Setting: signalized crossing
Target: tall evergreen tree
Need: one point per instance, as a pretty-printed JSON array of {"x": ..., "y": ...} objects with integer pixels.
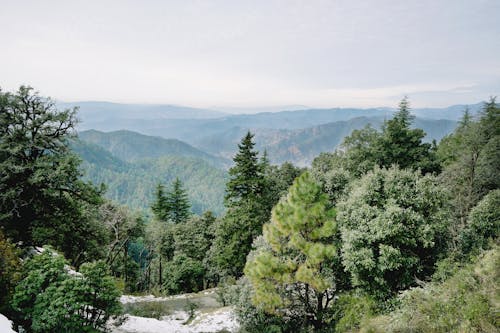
[
  {"x": 160, "y": 206},
  {"x": 247, "y": 211},
  {"x": 178, "y": 203},
  {"x": 246, "y": 174},
  {"x": 401, "y": 145}
]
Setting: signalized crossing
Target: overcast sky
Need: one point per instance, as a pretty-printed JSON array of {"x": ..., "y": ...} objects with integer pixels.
[{"x": 254, "y": 53}]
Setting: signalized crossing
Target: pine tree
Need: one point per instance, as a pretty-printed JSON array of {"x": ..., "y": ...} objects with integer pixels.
[
  {"x": 401, "y": 145},
  {"x": 178, "y": 203},
  {"x": 160, "y": 206},
  {"x": 246, "y": 174},
  {"x": 247, "y": 211},
  {"x": 294, "y": 270}
]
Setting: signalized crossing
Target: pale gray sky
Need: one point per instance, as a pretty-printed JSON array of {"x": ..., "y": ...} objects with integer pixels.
[{"x": 254, "y": 53}]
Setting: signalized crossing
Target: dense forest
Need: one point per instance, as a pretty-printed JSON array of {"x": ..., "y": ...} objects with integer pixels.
[{"x": 387, "y": 233}]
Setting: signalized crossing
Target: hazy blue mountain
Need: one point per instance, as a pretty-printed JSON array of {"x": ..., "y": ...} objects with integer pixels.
[
  {"x": 131, "y": 146},
  {"x": 134, "y": 183},
  {"x": 193, "y": 131},
  {"x": 300, "y": 146},
  {"x": 95, "y": 112}
]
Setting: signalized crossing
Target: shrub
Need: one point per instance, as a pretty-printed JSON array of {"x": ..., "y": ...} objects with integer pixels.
[{"x": 51, "y": 298}]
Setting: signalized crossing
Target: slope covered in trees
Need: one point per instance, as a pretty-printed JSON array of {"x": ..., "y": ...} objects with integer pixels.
[
  {"x": 131, "y": 146},
  {"x": 390, "y": 233},
  {"x": 133, "y": 183}
]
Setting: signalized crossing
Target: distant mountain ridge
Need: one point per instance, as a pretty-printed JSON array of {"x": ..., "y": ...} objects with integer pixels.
[
  {"x": 301, "y": 146},
  {"x": 91, "y": 111},
  {"x": 131, "y": 146},
  {"x": 192, "y": 131}
]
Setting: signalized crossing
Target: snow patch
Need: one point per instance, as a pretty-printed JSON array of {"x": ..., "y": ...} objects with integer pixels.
[
  {"x": 124, "y": 299},
  {"x": 204, "y": 322},
  {"x": 5, "y": 325}
]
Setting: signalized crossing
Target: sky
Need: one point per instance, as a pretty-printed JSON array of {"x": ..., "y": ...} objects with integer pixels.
[{"x": 250, "y": 54}]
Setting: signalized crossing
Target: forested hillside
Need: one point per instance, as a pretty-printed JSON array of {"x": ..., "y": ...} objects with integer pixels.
[
  {"x": 132, "y": 183},
  {"x": 387, "y": 233},
  {"x": 131, "y": 146}
]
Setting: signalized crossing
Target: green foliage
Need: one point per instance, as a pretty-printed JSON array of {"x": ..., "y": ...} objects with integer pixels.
[
  {"x": 183, "y": 274},
  {"x": 178, "y": 203},
  {"x": 160, "y": 205},
  {"x": 483, "y": 224},
  {"x": 248, "y": 209},
  {"x": 10, "y": 268},
  {"x": 43, "y": 199},
  {"x": 178, "y": 253},
  {"x": 49, "y": 299},
  {"x": 278, "y": 180},
  {"x": 132, "y": 183},
  {"x": 254, "y": 319},
  {"x": 393, "y": 225},
  {"x": 351, "y": 310},
  {"x": 397, "y": 144},
  {"x": 361, "y": 150},
  {"x": 172, "y": 206},
  {"x": 147, "y": 309},
  {"x": 403, "y": 146},
  {"x": 471, "y": 156},
  {"x": 246, "y": 180},
  {"x": 194, "y": 237},
  {"x": 234, "y": 234},
  {"x": 466, "y": 302},
  {"x": 331, "y": 172},
  {"x": 123, "y": 228},
  {"x": 292, "y": 274}
]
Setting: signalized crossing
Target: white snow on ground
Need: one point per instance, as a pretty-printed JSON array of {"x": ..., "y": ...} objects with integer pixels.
[
  {"x": 5, "y": 325},
  {"x": 124, "y": 299},
  {"x": 204, "y": 322}
]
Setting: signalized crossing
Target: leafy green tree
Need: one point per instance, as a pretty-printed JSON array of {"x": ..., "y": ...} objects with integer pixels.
[
  {"x": 471, "y": 156},
  {"x": 292, "y": 276},
  {"x": 43, "y": 200},
  {"x": 184, "y": 274},
  {"x": 361, "y": 151},
  {"x": 159, "y": 242},
  {"x": 397, "y": 144},
  {"x": 393, "y": 225},
  {"x": 483, "y": 224},
  {"x": 50, "y": 299},
  {"x": 194, "y": 237},
  {"x": 81, "y": 303},
  {"x": 178, "y": 203},
  {"x": 123, "y": 228}
]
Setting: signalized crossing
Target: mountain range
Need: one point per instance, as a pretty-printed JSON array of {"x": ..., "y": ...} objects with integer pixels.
[{"x": 132, "y": 148}]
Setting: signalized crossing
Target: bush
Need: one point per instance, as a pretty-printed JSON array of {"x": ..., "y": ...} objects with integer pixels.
[
  {"x": 483, "y": 224},
  {"x": 51, "y": 299},
  {"x": 184, "y": 274},
  {"x": 147, "y": 309},
  {"x": 466, "y": 302},
  {"x": 393, "y": 229},
  {"x": 10, "y": 267}
]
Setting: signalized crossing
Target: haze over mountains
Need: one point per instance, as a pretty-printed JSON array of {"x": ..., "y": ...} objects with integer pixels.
[
  {"x": 296, "y": 136},
  {"x": 133, "y": 147}
]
